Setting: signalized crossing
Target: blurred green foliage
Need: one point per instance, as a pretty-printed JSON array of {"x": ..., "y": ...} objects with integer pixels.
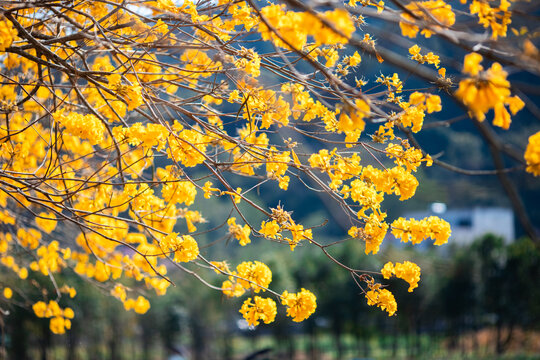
[{"x": 481, "y": 300}]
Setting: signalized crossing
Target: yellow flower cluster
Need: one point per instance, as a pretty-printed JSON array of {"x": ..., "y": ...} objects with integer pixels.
[
  {"x": 381, "y": 298},
  {"x": 363, "y": 193},
  {"x": 184, "y": 247},
  {"x": 396, "y": 180},
  {"x": 188, "y": 147},
  {"x": 10, "y": 263},
  {"x": 352, "y": 123},
  {"x": 282, "y": 221},
  {"x": 254, "y": 275},
  {"x": 432, "y": 15},
  {"x": 260, "y": 309},
  {"x": 6, "y": 218},
  {"x": 417, "y": 231},
  {"x": 498, "y": 18},
  {"x": 270, "y": 229},
  {"x": 408, "y": 271},
  {"x": 415, "y": 109},
  {"x": 148, "y": 135},
  {"x": 7, "y": 33},
  {"x": 339, "y": 168},
  {"x": 410, "y": 157},
  {"x": 140, "y": 305},
  {"x": 84, "y": 126},
  {"x": 295, "y": 27},
  {"x": 374, "y": 231},
  {"x": 250, "y": 62},
  {"x": 50, "y": 259},
  {"x": 243, "y": 15},
  {"x": 353, "y": 60},
  {"x": 240, "y": 233},
  {"x": 532, "y": 154},
  {"x": 130, "y": 93},
  {"x": 28, "y": 238},
  {"x": 426, "y": 102},
  {"x": 301, "y": 305},
  {"x": 298, "y": 233},
  {"x": 277, "y": 165},
  {"x": 306, "y": 108},
  {"x": 486, "y": 90},
  {"x": 198, "y": 64},
  {"x": 429, "y": 58},
  {"x": 60, "y": 319},
  {"x": 7, "y": 292},
  {"x": 249, "y": 275},
  {"x": 339, "y": 18},
  {"x": 46, "y": 222},
  {"x": 66, "y": 289},
  {"x": 270, "y": 106},
  {"x": 174, "y": 190}
]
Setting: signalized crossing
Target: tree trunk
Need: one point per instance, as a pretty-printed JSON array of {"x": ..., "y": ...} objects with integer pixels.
[
  {"x": 338, "y": 342},
  {"x": 45, "y": 342},
  {"x": 72, "y": 340}
]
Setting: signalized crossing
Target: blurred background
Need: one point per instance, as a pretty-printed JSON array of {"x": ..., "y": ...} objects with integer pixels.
[{"x": 479, "y": 297}]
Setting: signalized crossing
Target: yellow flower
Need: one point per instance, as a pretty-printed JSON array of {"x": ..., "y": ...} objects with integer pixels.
[
  {"x": 442, "y": 72},
  {"x": 23, "y": 273},
  {"x": 119, "y": 292},
  {"x": 435, "y": 12},
  {"x": 300, "y": 305},
  {"x": 68, "y": 313},
  {"x": 430, "y": 58},
  {"x": 418, "y": 230},
  {"x": 8, "y": 293},
  {"x": 487, "y": 90},
  {"x": 184, "y": 247},
  {"x": 342, "y": 21},
  {"x": 532, "y": 154},
  {"x": 130, "y": 93},
  {"x": 471, "y": 64},
  {"x": 269, "y": 229},
  {"x": 7, "y": 34},
  {"x": 40, "y": 309},
  {"x": 374, "y": 232},
  {"x": 232, "y": 289},
  {"x": 498, "y": 18},
  {"x": 240, "y": 233},
  {"x": 388, "y": 270},
  {"x": 383, "y": 299},
  {"x": 84, "y": 126},
  {"x": 355, "y": 59},
  {"x": 408, "y": 271},
  {"x": 254, "y": 275},
  {"x": 260, "y": 310},
  {"x": 208, "y": 189},
  {"x": 58, "y": 325},
  {"x": 140, "y": 306},
  {"x": 68, "y": 290},
  {"x": 46, "y": 221}
]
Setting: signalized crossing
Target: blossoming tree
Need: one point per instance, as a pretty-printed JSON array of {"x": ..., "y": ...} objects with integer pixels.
[{"x": 118, "y": 117}]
